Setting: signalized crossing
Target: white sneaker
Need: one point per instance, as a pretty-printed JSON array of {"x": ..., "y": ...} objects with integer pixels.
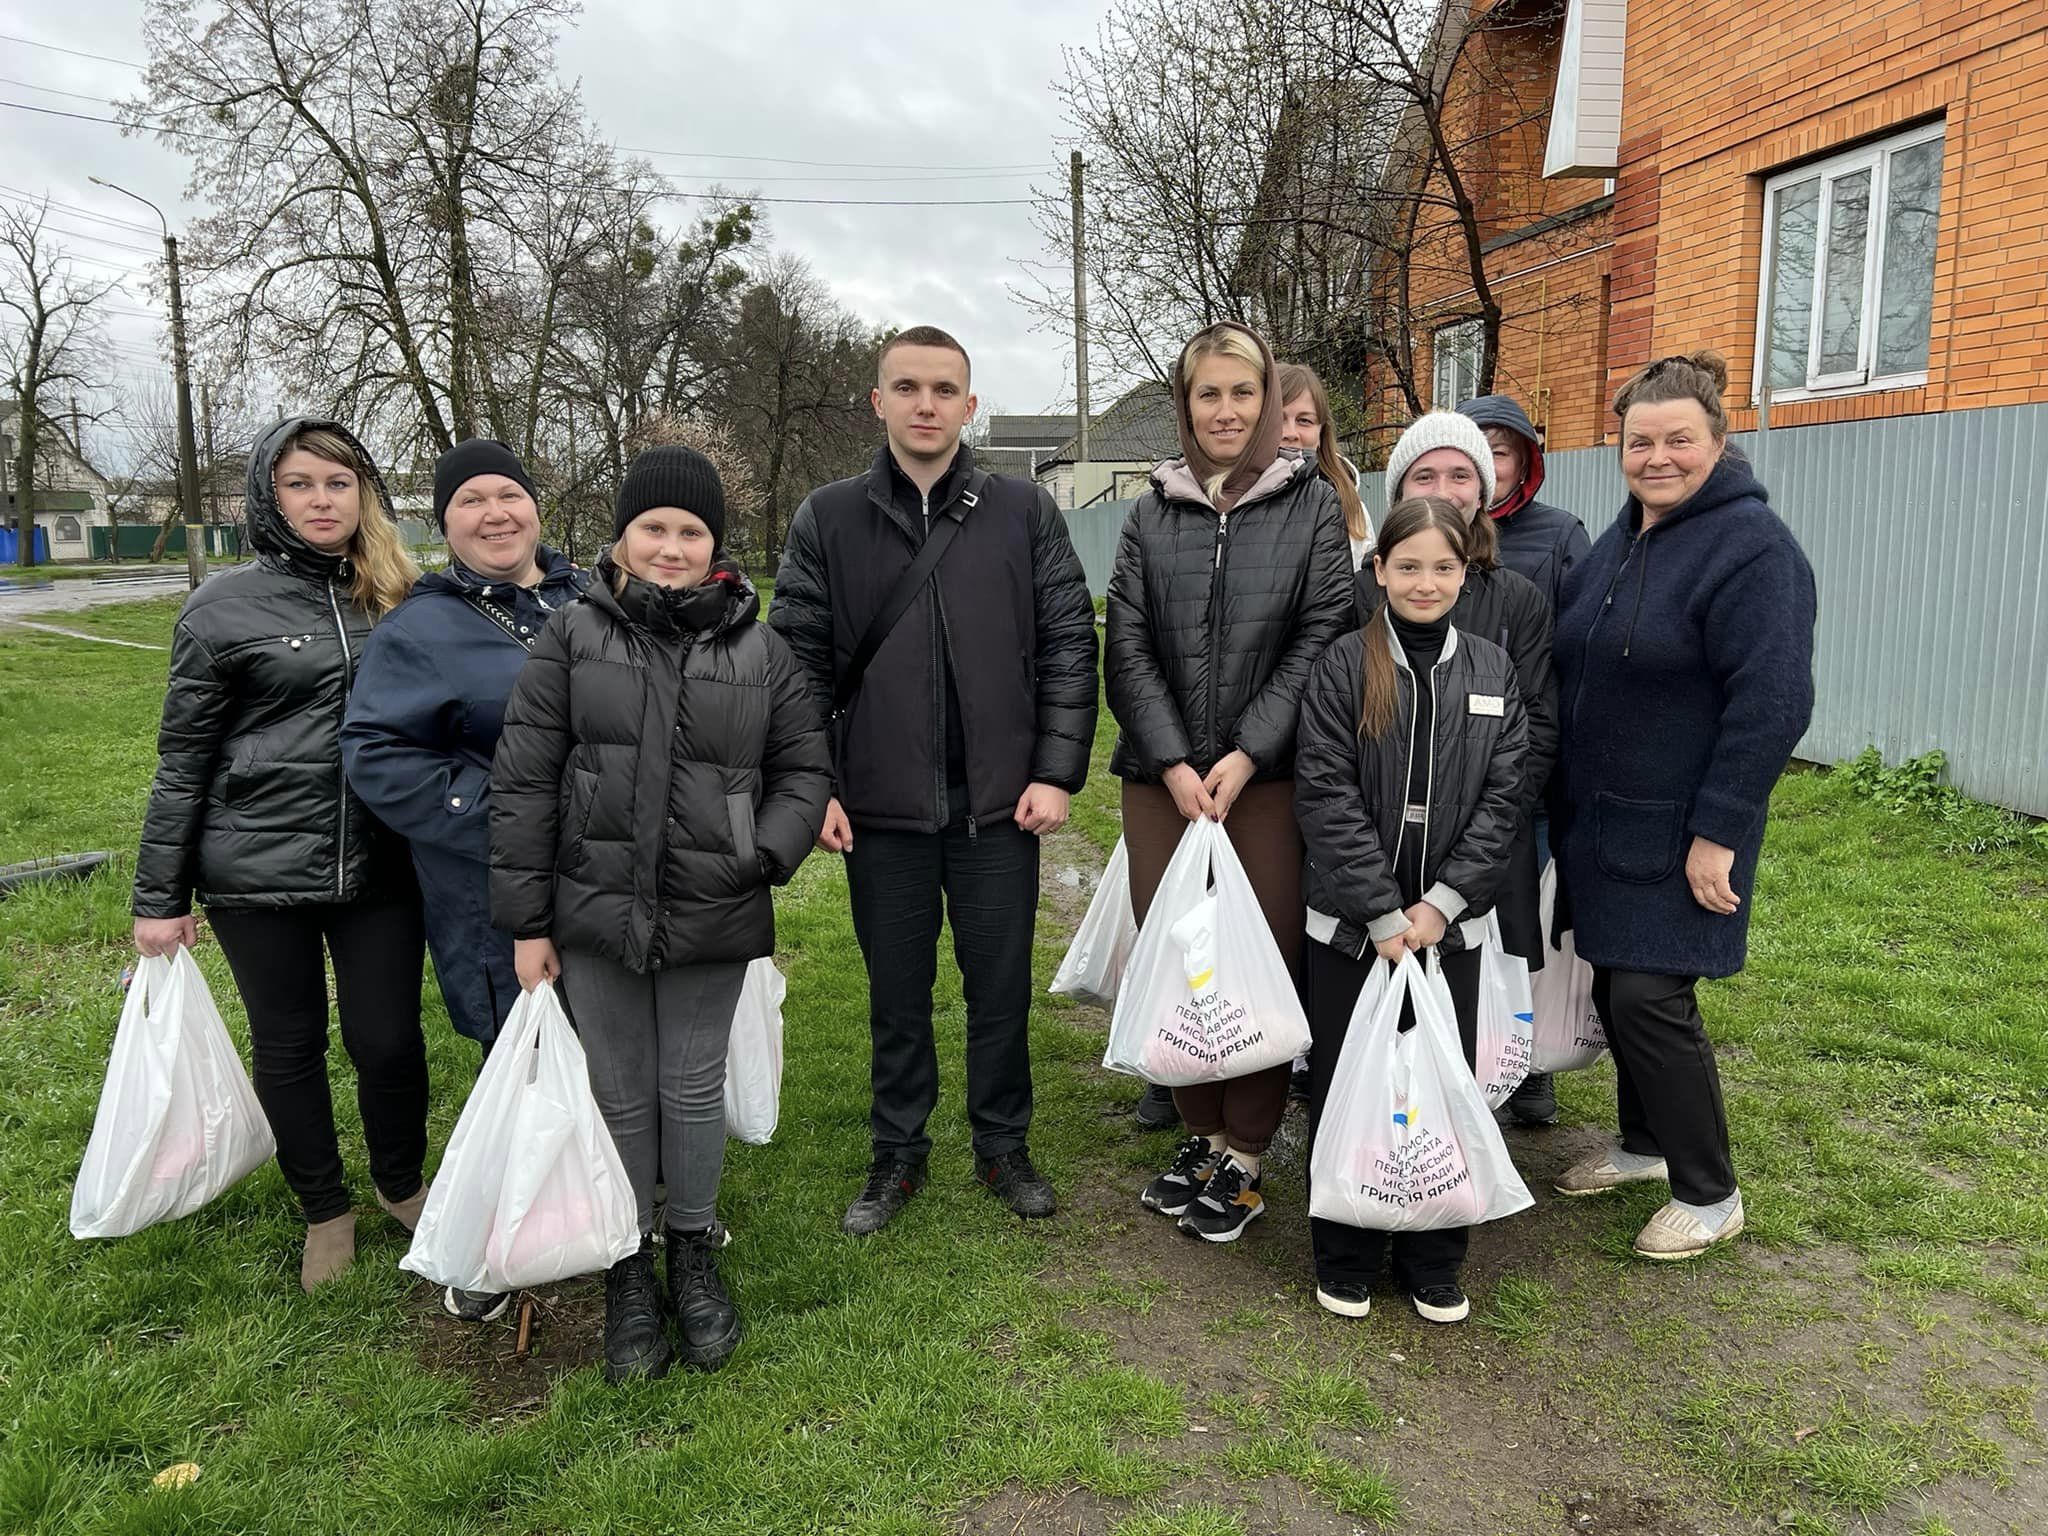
[
  {"x": 1598, "y": 1174},
  {"x": 1674, "y": 1233}
]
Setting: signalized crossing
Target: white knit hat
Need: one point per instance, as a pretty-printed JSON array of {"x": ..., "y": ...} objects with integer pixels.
[{"x": 1441, "y": 429}]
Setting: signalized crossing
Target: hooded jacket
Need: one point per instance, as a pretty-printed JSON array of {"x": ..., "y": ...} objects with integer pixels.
[
  {"x": 1214, "y": 619},
  {"x": 1006, "y": 616},
  {"x": 1351, "y": 793},
  {"x": 1685, "y": 669},
  {"x": 1541, "y": 541},
  {"x": 661, "y": 765},
  {"x": 249, "y": 806},
  {"x": 423, "y": 724}
]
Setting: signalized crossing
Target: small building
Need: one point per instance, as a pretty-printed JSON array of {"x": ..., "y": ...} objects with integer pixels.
[
  {"x": 1125, "y": 444},
  {"x": 1017, "y": 445},
  {"x": 72, "y": 497}
]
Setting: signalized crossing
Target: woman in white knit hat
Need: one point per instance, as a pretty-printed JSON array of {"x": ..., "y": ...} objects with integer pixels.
[{"x": 1445, "y": 454}]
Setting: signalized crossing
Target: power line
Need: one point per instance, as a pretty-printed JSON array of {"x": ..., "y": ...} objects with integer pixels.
[
  {"x": 26, "y": 196},
  {"x": 8, "y": 37}
]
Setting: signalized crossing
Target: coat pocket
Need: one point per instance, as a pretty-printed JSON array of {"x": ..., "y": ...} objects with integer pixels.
[
  {"x": 739, "y": 808},
  {"x": 1637, "y": 840},
  {"x": 582, "y": 801}
]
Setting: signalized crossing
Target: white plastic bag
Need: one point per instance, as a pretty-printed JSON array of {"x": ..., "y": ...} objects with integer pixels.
[
  {"x": 1568, "y": 1034},
  {"x": 1095, "y": 961},
  {"x": 178, "y": 1122},
  {"x": 1406, "y": 1142},
  {"x": 531, "y": 1189},
  {"x": 753, "y": 1058},
  {"x": 1207, "y": 996},
  {"x": 1505, "y": 1035}
]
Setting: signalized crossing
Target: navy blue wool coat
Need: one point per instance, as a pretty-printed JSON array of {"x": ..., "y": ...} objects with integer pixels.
[
  {"x": 1685, "y": 669},
  {"x": 422, "y": 727}
]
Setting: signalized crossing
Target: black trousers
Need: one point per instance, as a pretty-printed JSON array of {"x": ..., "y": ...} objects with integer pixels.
[
  {"x": 378, "y": 949},
  {"x": 988, "y": 884},
  {"x": 1348, "y": 1255},
  {"x": 1667, "y": 1088}
]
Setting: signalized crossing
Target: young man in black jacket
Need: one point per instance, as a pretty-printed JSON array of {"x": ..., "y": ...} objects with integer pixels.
[{"x": 954, "y": 749}]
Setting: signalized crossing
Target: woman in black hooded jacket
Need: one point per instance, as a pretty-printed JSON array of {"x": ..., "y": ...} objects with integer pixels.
[
  {"x": 250, "y": 816},
  {"x": 661, "y": 766},
  {"x": 1407, "y": 781}
]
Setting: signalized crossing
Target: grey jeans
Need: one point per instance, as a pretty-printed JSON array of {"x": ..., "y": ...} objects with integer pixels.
[{"x": 656, "y": 1046}]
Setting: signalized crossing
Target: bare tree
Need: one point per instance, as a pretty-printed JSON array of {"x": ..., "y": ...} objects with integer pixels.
[{"x": 53, "y": 344}]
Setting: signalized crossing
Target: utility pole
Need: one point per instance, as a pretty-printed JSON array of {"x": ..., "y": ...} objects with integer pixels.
[
  {"x": 188, "y": 454},
  {"x": 1074, "y": 168}
]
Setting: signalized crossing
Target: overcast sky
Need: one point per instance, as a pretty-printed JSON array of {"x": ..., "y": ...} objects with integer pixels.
[{"x": 888, "y": 85}]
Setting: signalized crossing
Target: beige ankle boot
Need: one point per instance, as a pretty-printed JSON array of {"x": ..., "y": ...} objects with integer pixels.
[
  {"x": 330, "y": 1249},
  {"x": 405, "y": 1212}
]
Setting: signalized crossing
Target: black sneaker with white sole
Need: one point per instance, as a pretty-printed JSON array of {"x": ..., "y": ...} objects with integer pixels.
[
  {"x": 1343, "y": 1299},
  {"x": 1228, "y": 1203},
  {"x": 1441, "y": 1304},
  {"x": 475, "y": 1306},
  {"x": 1193, "y": 1161},
  {"x": 1535, "y": 1102}
]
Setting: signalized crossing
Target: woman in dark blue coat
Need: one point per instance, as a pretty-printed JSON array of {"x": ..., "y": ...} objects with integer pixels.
[{"x": 1684, "y": 652}]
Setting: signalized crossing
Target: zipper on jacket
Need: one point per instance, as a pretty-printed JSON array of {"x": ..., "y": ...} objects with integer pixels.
[
  {"x": 938, "y": 634},
  {"x": 1216, "y": 632},
  {"x": 1407, "y": 763},
  {"x": 1607, "y": 602},
  {"x": 341, "y": 800},
  {"x": 1436, "y": 710}
]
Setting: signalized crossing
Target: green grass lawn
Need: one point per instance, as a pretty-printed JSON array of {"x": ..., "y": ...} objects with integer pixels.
[{"x": 1870, "y": 1359}]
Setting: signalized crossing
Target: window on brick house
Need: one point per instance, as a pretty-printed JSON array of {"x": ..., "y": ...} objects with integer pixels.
[
  {"x": 1850, "y": 244},
  {"x": 1454, "y": 363}
]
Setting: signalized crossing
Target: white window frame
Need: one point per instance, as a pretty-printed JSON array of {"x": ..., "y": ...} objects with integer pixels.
[
  {"x": 1875, "y": 158},
  {"x": 1442, "y": 344}
]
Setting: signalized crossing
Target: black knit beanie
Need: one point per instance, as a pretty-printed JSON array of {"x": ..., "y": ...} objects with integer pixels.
[
  {"x": 672, "y": 476},
  {"x": 465, "y": 461}
]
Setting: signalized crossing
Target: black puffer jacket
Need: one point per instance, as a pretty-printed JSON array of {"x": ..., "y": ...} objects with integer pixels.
[
  {"x": 1351, "y": 795},
  {"x": 249, "y": 807},
  {"x": 1214, "y": 621},
  {"x": 1007, "y": 613},
  {"x": 661, "y": 765}
]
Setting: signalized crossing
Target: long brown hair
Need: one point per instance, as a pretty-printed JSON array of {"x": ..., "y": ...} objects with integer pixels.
[
  {"x": 1418, "y": 514},
  {"x": 1297, "y": 379},
  {"x": 384, "y": 572}
]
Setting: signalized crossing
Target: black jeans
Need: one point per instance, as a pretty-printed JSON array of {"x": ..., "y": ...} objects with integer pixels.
[
  {"x": 378, "y": 949},
  {"x": 1351, "y": 1255},
  {"x": 989, "y": 884},
  {"x": 1667, "y": 1089}
]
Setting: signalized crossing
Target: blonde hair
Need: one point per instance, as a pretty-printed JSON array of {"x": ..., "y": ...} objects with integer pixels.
[
  {"x": 1222, "y": 340},
  {"x": 1297, "y": 379},
  {"x": 384, "y": 572}
]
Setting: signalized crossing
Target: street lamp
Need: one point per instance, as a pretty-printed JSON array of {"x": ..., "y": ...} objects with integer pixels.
[{"x": 188, "y": 454}]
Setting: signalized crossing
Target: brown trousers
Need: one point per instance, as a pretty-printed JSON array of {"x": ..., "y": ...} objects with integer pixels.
[{"x": 1245, "y": 1111}]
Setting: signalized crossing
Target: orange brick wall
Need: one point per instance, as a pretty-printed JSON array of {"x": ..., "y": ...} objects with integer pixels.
[{"x": 1720, "y": 94}]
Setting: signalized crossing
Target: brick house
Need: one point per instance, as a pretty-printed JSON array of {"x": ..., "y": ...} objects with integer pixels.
[{"x": 1886, "y": 154}]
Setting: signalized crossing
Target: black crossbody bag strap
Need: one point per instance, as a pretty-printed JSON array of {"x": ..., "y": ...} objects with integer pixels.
[{"x": 904, "y": 594}]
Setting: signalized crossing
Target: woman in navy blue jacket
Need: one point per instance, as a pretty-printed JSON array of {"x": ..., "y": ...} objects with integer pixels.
[{"x": 1684, "y": 652}]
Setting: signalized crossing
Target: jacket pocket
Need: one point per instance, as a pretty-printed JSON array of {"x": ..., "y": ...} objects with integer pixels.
[
  {"x": 582, "y": 801},
  {"x": 739, "y": 808},
  {"x": 1637, "y": 840}
]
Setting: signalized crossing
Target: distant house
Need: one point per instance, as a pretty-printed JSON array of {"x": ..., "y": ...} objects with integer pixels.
[
  {"x": 72, "y": 497},
  {"x": 1125, "y": 443},
  {"x": 1017, "y": 445}
]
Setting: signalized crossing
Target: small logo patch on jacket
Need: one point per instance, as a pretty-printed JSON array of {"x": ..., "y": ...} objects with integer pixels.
[{"x": 1485, "y": 704}]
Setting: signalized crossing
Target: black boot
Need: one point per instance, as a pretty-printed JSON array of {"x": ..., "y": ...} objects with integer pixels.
[
  {"x": 635, "y": 1340},
  {"x": 1156, "y": 1109},
  {"x": 705, "y": 1318}
]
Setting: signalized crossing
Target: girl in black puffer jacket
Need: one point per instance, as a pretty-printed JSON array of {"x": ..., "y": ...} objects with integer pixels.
[
  {"x": 1408, "y": 777},
  {"x": 250, "y": 815},
  {"x": 662, "y": 765}
]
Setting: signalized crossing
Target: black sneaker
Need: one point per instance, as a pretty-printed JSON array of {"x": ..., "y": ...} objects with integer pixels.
[
  {"x": 1193, "y": 1161},
  {"x": 1441, "y": 1304},
  {"x": 1343, "y": 1299},
  {"x": 891, "y": 1183},
  {"x": 705, "y": 1317},
  {"x": 1535, "y": 1102},
  {"x": 475, "y": 1306},
  {"x": 1228, "y": 1203},
  {"x": 635, "y": 1341},
  {"x": 1156, "y": 1109},
  {"x": 1011, "y": 1178}
]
